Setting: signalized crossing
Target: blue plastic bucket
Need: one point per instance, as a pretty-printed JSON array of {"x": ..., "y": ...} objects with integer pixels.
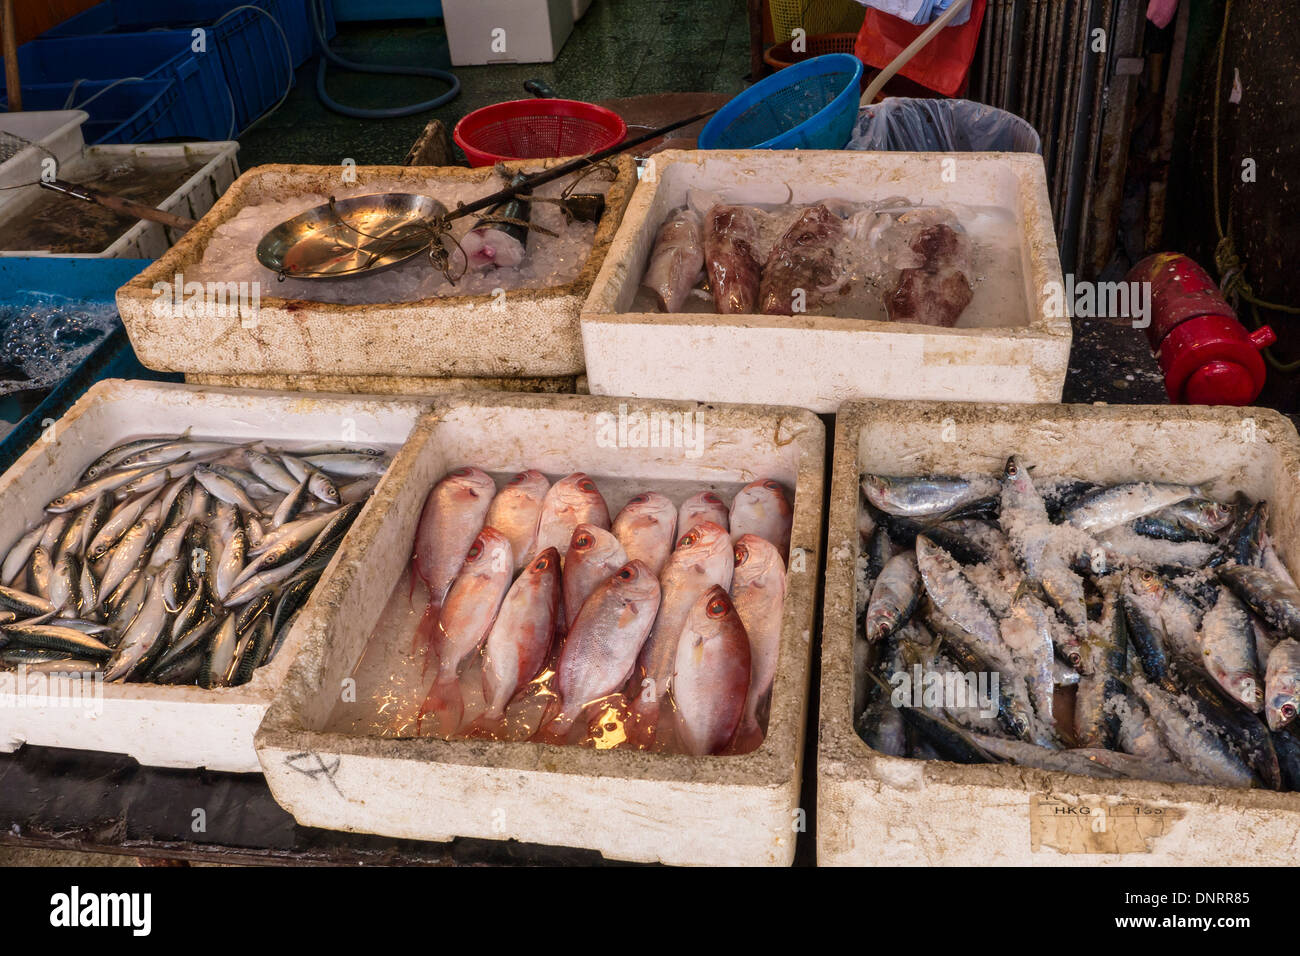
[{"x": 810, "y": 105}]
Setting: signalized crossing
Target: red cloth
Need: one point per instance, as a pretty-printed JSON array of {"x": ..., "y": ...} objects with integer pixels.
[
  {"x": 1161, "y": 12},
  {"x": 941, "y": 65}
]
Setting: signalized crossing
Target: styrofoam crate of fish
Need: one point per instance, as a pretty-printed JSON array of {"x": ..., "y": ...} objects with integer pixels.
[
  {"x": 836, "y": 341},
  {"x": 409, "y": 321},
  {"x": 192, "y": 722},
  {"x": 1185, "y": 761},
  {"x": 355, "y": 699}
]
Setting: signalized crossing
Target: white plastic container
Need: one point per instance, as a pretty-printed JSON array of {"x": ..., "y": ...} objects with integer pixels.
[
  {"x": 628, "y": 805},
  {"x": 57, "y": 133},
  {"x": 820, "y": 362},
  {"x": 171, "y": 726},
  {"x": 874, "y": 809},
  {"x": 507, "y": 31},
  {"x": 580, "y": 8},
  {"x": 144, "y": 240}
]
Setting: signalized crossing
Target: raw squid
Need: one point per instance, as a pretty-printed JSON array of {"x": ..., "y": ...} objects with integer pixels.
[
  {"x": 938, "y": 290},
  {"x": 730, "y": 236},
  {"x": 803, "y": 263},
  {"x": 677, "y": 260}
]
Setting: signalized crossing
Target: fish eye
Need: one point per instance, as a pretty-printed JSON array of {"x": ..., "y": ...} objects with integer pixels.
[
  {"x": 1012, "y": 470},
  {"x": 1075, "y": 658},
  {"x": 587, "y": 485},
  {"x": 475, "y": 550},
  {"x": 639, "y": 500},
  {"x": 772, "y": 485},
  {"x": 542, "y": 563},
  {"x": 688, "y": 539},
  {"x": 1288, "y": 711},
  {"x": 711, "y": 498},
  {"x": 627, "y": 572},
  {"x": 582, "y": 541},
  {"x": 742, "y": 554},
  {"x": 522, "y": 476},
  {"x": 717, "y": 607},
  {"x": 461, "y": 472}
]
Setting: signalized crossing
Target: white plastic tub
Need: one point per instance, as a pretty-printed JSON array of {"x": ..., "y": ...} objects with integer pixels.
[
  {"x": 54, "y": 133},
  {"x": 874, "y": 809},
  {"x": 628, "y": 805},
  {"x": 819, "y": 362},
  {"x": 172, "y": 726},
  {"x": 144, "y": 240}
]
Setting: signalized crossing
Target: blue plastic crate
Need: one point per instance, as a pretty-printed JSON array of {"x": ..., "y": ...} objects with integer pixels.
[
  {"x": 135, "y": 111},
  {"x": 137, "y": 16},
  {"x": 203, "y": 108},
  {"x": 94, "y": 280}
]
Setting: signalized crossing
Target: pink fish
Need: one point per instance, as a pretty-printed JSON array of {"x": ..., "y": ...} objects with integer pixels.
[
  {"x": 453, "y": 515},
  {"x": 705, "y": 506},
  {"x": 702, "y": 560},
  {"x": 571, "y": 501},
  {"x": 761, "y": 508},
  {"x": 521, "y": 638},
  {"x": 758, "y": 593},
  {"x": 647, "y": 527},
  {"x": 677, "y": 260},
  {"x": 730, "y": 237},
  {"x": 515, "y": 512},
  {"x": 600, "y": 651},
  {"x": 466, "y": 620},
  {"x": 711, "y": 677},
  {"x": 594, "y": 555}
]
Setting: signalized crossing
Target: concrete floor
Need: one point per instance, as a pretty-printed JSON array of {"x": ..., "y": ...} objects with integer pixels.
[{"x": 620, "y": 48}]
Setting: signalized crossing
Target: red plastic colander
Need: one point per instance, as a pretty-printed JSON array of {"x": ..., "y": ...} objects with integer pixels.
[{"x": 537, "y": 129}]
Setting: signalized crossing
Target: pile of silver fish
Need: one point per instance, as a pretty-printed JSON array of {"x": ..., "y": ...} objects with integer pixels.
[
  {"x": 671, "y": 615},
  {"x": 923, "y": 256},
  {"x": 179, "y": 560},
  {"x": 1141, "y": 630}
]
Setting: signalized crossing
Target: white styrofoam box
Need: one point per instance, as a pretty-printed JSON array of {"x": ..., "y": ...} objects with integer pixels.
[
  {"x": 507, "y": 31},
  {"x": 443, "y": 336},
  {"x": 171, "y": 726},
  {"x": 813, "y": 361},
  {"x": 580, "y": 8},
  {"x": 56, "y": 132},
  {"x": 144, "y": 240},
  {"x": 628, "y": 805},
  {"x": 882, "y": 810}
]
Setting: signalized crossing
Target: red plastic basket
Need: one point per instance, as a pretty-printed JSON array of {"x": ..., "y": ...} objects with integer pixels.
[{"x": 537, "y": 129}]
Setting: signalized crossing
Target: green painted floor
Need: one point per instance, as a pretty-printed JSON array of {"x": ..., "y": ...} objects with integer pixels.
[{"x": 620, "y": 48}]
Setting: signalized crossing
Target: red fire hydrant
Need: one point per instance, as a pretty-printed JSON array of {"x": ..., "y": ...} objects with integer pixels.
[{"x": 1207, "y": 356}]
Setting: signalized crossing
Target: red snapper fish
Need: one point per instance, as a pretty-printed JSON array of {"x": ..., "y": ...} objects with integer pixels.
[
  {"x": 646, "y": 527},
  {"x": 515, "y": 512},
  {"x": 600, "y": 650},
  {"x": 758, "y": 594},
  {"x": 761, "y": 508},
  {"x": 465, "y": 622},
  {"x": 571, "y": 501},
  {"x": 711, "y": 675},
  {"x": 701, "y": 507},
  {"x": 594, "y": 555}
]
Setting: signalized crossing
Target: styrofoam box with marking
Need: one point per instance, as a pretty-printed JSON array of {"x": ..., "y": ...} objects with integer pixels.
[
  {"x": 628, "y": 805},
  {"x": 172, "y": 726},
  {"x": 444, "y": 336},
  {"x": 883, "y": 810},
  {"x": 818, "y": 362}
]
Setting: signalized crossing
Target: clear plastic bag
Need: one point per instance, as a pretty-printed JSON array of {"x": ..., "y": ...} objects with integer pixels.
[{"x": 947, "y": 126}]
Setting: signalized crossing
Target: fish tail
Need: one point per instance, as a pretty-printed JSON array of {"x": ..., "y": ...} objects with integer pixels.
[
  {"x": 445, "y": 702},
  {"x": 643, "y": 722},
  {"x": 747, "y": 738},
  {"x": 426, "y": 631}
]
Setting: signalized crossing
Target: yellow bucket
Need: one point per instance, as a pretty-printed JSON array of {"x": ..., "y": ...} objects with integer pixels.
[{"x": 815, "y": 16}]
